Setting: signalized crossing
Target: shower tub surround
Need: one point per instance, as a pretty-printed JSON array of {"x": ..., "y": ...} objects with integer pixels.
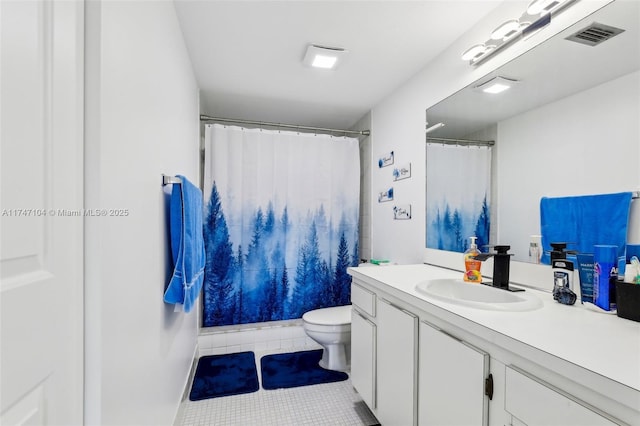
[
  {"x": 270, "y": 336},
  {"x": 553, "y": 365}
]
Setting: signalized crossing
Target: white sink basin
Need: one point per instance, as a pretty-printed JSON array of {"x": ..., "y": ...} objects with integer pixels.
[{"x": 478, "y": 296}]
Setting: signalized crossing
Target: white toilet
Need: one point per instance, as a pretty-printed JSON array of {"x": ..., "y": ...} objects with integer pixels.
[{"x": 331, "y": 328}]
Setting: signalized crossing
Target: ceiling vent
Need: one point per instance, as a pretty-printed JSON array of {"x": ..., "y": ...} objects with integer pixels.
[{"x": 594, "y": 34}]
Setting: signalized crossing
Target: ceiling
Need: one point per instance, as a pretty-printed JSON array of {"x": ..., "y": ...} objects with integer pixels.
[{"x": 247, "y": 55}]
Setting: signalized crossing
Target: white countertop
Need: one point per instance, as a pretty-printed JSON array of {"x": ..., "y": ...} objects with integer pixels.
[{"x": 602, "y": 343}]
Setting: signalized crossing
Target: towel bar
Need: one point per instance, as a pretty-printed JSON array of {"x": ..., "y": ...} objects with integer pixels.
[{"x": 168, "y": 180}]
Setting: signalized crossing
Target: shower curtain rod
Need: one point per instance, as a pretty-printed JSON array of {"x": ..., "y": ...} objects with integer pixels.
[
  {"x": 449, "y": 141},
  {"x": 286, "y": 126}
]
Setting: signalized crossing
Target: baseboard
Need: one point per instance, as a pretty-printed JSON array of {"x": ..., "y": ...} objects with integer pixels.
[{"x": 187, "y": 387}]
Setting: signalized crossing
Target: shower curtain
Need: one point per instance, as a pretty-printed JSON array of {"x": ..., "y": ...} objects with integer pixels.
[
  {"x": 281, "y": 223},
  {"x": 458, "y": 196}
]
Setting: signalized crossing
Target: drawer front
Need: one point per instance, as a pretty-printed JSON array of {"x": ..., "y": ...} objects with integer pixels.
[
  {"x": 533, "y": 402},
  {"x": 363, "y": 299}
]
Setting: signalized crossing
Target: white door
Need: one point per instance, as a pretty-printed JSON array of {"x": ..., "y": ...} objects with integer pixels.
[{"x": 41, "y": 200}]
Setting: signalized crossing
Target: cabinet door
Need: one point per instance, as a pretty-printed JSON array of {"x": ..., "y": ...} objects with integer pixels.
[
  {"x": 452, "y": 377},
  {"x": 396, "y": 362},
  {"x": 533, "y": 402},
  {"x": 363, "y": 357}
]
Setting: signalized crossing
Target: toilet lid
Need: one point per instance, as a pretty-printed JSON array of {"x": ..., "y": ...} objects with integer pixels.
[{"x": 337, "y": 315}]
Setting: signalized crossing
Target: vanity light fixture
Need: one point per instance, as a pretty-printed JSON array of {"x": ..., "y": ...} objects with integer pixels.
[
  {"x": 536, "y": 16},
  {"x": 323, "y": 57},
  {"x": 506, "y": 30},
  {"x": 496, "y": 85},
  {"x": 473, "y": 51},
  {"x": 542, "y": 6}
]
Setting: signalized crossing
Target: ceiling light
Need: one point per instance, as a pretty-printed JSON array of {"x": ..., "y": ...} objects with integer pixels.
[
  {"x": 323, "y": 61},
  {"x": 523, "y": 26},
  {"x": 322, "y": 56},
  {"x": 537, "y": 7},
  {"x": 487, "y": 50},
  {"x": 506, "y": 30},
  {"x": 496, "y": 85},
  {"x": 537, "y": 15},
  {"x": 473, "y": 51}
]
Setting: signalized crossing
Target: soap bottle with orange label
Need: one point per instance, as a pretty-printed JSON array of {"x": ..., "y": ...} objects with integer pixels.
[{"x": 471, "y": 265}]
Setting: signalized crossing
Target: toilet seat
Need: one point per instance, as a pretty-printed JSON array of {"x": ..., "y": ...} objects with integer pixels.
[{"x": 337, "y": 315}]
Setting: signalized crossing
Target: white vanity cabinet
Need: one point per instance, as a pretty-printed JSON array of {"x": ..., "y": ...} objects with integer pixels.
[
  {"x": 384, "y": 357},
  {"x": 453, "y": 380},
  {"x": 363, "y": 344},
  {"x": 396, "y": 365},
  {"x": 532, "y": 402},
  {"x": 415, "y": 362},
  {"x": 420, "y": 361}
]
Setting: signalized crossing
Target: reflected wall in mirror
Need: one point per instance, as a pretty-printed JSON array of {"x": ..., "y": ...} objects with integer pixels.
[{"x": 569, "y": 126}]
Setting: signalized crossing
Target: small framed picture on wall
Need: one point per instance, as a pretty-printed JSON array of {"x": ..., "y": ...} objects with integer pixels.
[{"x": 402, "y": 212}]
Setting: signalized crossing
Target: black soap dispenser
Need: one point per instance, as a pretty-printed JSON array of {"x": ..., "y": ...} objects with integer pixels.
[{"x": 558, "y": 251}]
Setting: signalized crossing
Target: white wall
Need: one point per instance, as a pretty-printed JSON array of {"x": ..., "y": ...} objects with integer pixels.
[
  {"x": 364, "y": 242},
  {"x": 142, "y": 121},
  {"x": 550, "y": 152},
  {"x": 398, "y": 124}
]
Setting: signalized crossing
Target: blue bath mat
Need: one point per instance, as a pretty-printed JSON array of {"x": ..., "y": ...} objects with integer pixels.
[
  {"x": 224, "y": 375},
  {"x": 295, "y": 369}
]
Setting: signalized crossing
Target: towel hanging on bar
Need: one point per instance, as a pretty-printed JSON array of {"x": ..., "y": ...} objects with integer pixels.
[{"x": 187, "y": 245}]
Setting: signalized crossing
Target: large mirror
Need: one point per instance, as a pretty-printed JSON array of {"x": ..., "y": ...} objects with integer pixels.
[{"x": 569, "y": 126}]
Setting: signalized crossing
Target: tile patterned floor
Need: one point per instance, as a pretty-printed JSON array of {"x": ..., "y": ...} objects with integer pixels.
[{"x": 326, "y": 404}]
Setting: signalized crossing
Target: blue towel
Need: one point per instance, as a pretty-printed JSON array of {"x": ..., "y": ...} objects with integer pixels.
[
  {"x": 585, "y": 221},
  {"x": 187, "y": 245}
]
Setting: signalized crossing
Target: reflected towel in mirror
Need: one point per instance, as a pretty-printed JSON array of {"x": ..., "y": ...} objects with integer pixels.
[{"x": 585, "y": 221}]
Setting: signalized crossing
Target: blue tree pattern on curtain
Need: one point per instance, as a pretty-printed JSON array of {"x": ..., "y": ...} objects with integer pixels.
[
  {"x": 286, "y": 267},
  {"x": 458, "y": 193},
  {"x": 254, "y": 286},
  {"x": 449, "y": 231}
]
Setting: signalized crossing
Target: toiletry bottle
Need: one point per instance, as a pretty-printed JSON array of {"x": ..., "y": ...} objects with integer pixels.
[
  {"x": 471, "y": 265},
  {"x": 535, "y": 249},
  {"x": 605, "y": 273},
  {"x": 534, "y": 252}
]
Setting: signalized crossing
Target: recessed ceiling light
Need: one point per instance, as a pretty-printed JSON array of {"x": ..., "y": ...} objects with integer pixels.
[
  {"x": 322, "y": 56},
  {"x": 497, "y": 85},
  {"x": 323, "y": 61}
]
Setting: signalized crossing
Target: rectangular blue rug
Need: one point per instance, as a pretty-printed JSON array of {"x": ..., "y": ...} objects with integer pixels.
[
  {"x": 296, "y": 369},
  {"x": 224, "y": 375}
]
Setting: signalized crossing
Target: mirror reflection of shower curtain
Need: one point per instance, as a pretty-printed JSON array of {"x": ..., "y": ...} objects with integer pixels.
[
  {"x": 458, "y": 196},
  {"x": 281, "y": 223}
]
